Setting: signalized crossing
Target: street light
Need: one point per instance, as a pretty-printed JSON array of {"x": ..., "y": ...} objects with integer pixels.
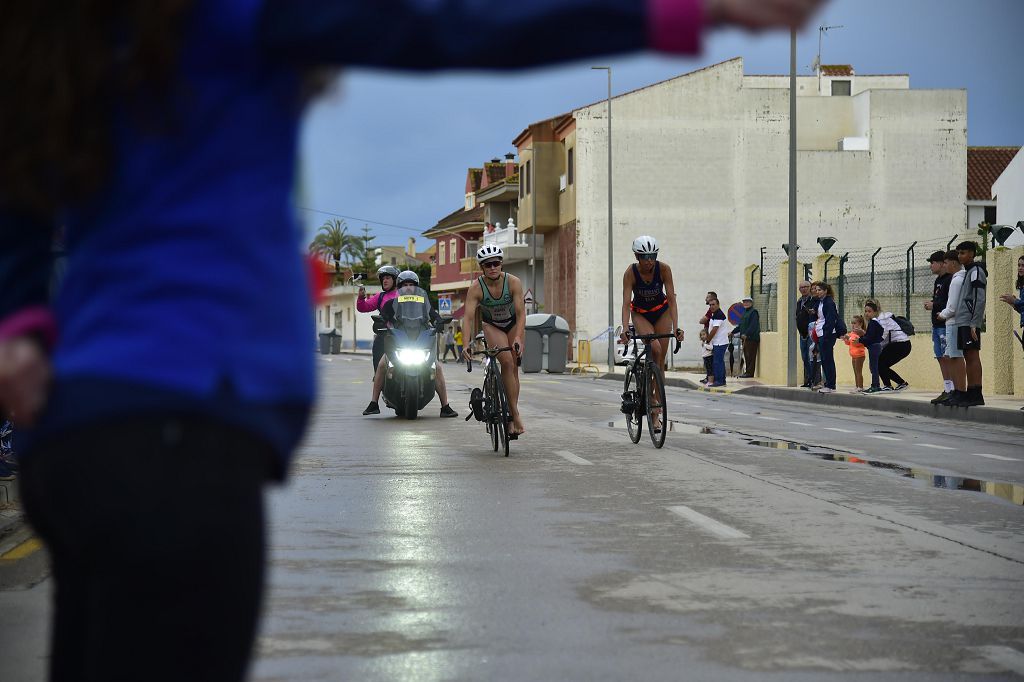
[
  {"x": 791, "y": 347},
  {"x": 611, "y": 276},
  {"x": 533, "y": 210}
]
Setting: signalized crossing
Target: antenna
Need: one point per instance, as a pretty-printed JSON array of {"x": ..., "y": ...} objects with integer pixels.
[{"x": 822, "y": 30}]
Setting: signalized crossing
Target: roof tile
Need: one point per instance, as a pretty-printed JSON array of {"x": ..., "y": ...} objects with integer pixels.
[{"x": 984, "y": 166}]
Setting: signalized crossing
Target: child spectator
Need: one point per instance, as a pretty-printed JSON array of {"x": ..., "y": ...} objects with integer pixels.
[
  {"x": 857, "y": 350},
  {"x": 706, "y": 353},
  {"x": 871, "y": 339}
]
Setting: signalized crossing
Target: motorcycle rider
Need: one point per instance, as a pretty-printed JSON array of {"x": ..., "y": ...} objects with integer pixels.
[
  {"x": 387, "y": 275},
  {"x": 409, "y": 280}
]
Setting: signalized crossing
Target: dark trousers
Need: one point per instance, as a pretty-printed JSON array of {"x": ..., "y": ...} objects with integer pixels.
[
  {"x": 718, "y": 363},
  {"x": 805, "y": 355},
  {"x": 379, "y": 348},
  {"x": 750, "y": 356},
  {"x": 874, "y": 351},
  {"x": 826, "y": 350},
  {"x": 449, "y": 348},
  {"x": 155, "y": 532},
  {"x": 891, "y": 354},
  {"x": 709, "y": 366}
]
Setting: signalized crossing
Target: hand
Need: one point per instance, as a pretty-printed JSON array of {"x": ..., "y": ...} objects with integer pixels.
[
  {"x": 362, "y": 292},
  {"x": 624, "y": 335},
  {"x": 467, "y": 353},
  {"x": 680, "y": 335},
  {"x": 974, "y": 333},
  {"x": 24, "y": 379},
  {"x": 1008, "y": 298},
  {"x": 927, "y": 305},
  {"x": 517, "y": 347},
  {"x": 758, "y": 15}
]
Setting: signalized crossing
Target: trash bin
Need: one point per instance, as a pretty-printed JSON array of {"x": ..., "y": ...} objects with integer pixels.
[
  {"x": 325, "y": 343},
  {"x": 547, "y": 340},
  {"x": 335, "y": 342}
]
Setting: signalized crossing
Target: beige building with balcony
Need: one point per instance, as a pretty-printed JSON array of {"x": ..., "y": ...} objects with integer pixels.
[{"x": 701, "y": 163}]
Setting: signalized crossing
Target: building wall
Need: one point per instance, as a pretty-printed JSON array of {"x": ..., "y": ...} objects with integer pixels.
[
  {"x": 338, "y": 311},
  {"x": 701, "y": 163},
  {"x": 1009, "y": 191}
]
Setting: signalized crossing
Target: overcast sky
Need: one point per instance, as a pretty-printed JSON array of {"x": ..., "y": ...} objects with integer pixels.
[{"x": 391, "y": 150}]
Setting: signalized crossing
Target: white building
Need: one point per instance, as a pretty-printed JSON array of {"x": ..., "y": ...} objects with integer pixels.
[
  {"x": 338, "y": 312},
  {"x": 1008, "y": 191},
  {"x": 701, "y": 162},
  {"x": 984, "y": 167}
]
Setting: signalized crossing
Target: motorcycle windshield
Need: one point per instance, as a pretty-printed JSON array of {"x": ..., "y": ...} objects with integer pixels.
[{"x": 412, "y": 310}]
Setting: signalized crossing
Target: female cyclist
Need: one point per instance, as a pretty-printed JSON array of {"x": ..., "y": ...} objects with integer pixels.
[{"x": 648, "y": 293}]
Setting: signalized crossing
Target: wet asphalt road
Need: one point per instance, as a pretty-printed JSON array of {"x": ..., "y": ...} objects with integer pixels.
[{"x": 411, "y": 551}]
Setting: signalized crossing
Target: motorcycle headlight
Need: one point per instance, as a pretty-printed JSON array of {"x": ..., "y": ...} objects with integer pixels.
[{"x": 412, "y": 356}]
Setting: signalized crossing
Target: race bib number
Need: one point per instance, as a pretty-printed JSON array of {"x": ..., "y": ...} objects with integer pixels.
[{"x": 411, "y": 298}]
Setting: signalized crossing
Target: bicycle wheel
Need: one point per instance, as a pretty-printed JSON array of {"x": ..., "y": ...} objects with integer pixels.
[
  {"x": 490, "y": 394},
  {"x": 656, "y": 402},
  {"x": 631, "y": 391},
  {"x": 502, "y": 413}
]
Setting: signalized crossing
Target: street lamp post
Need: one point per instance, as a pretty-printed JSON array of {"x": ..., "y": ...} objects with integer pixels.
[
  {"x": 611, "y": 276},
  {"x": 791, "y": 348}
]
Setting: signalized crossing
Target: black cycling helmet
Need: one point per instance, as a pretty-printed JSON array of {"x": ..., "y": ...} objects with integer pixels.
[
  {"x": 408, "y": 277},
  {"x": 389, "y": 270}
]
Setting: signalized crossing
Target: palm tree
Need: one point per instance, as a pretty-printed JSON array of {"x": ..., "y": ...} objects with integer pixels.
[{"x": 334, "y": 241}]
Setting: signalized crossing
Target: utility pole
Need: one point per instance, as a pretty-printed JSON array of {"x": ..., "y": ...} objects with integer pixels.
[
  {"x": 611, "y": 265},
  {"x": 791, "y": 347},
  {"x": 822, "y": 30}
]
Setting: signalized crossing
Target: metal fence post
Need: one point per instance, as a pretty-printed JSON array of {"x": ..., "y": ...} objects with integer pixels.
[
  {"x": 827, "y": 261},
  {"x": 949, "y": 244},
  {"x": 877, "y": 251},
  {"x": 841, "y": 285},
  {"x": 807, "y": 271},
  {"x": 761, "y": 270},
  {"x": 756, "y": 268},
  {"x": 910, "y": 275}
]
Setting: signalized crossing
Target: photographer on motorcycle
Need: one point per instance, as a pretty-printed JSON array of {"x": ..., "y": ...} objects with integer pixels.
[
  {"x": 411, "y": 281},
  {"x": 388, "y": 277}
]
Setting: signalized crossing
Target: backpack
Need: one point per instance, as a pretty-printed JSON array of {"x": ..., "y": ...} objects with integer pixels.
[{"x": 906, "y": 326}]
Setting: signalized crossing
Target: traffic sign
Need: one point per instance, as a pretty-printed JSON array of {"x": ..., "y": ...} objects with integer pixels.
[
  {"x": 529, "y": 296},
  {"x": 735, "y": 313},
  {"x": 444, "y": 305}
]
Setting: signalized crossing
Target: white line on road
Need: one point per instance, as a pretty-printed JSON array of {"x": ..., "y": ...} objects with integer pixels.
[
  {"x": 709, "y": 524},
  {"x": 742, "y": 414},
  {"x": 999, "y": 457},
  {"x": 1009, "y": 658},
  {"x": 933, "y": 447},
  {"x": 568, "y": 456},
  {"x": 873, "y": 435},
  {"x": 712, "y": 409},
  {"x": 769, "y": 419},
  {"x": 800, "y": 423},
  {"x": 833, "y": 428}
]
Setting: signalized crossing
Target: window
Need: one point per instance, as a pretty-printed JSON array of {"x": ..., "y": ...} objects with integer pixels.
[
  {"x": 394, "y": 261},
  {"x": 440, "y": 253},
  {"x": 528, "y": 177},
  {"x": 453, "y": 250},
  {"x": 522, "y": 181},
  {"x": 569, "y": 169},
  {"x": 990, "y": 215},
  {"x": 840, "y": 88}
]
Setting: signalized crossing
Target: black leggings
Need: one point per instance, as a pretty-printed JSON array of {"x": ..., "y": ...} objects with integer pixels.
[
  {"x": 155, "y": 532},
  {"x": 891, "y": 354}
]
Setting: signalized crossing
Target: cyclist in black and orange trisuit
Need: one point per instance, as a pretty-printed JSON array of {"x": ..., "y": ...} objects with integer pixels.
[
  {"x": 503, "y": 313},
  {"x": 649, "y": 298}
]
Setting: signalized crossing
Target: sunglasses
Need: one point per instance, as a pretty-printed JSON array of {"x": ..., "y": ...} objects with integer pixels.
[
  {"x": 491, "y": 264},
  {"x": 647, "y": 256}
]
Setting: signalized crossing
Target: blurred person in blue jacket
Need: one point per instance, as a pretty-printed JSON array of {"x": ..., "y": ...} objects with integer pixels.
[{"x": 162, "y": 137}]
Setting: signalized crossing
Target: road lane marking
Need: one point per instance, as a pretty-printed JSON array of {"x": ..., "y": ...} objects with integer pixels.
[
  {"x": 568, "y": 456},
  {"x": 800, "y": 423},
  {"x": 999, "y": 457},
  {"x": 770, "y": 419},
  {"x": 1009, "y": 658},
  {"x": 742, "y": 414},
  {"x": 27, "y": 548},
  {"x": 709, "y": 524},
  {"x": 712, "y": 409},
  {"x": 874, "y": 435},
  {"x": 933, "y": 447},
  {"x": 833, "y": 428}
]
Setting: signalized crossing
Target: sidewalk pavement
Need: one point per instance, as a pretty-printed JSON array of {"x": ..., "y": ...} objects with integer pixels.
[{"x": 998, "y": 409}]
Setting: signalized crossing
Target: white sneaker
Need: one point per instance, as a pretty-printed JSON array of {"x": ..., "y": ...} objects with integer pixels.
[{"x": 826, "y": 389}]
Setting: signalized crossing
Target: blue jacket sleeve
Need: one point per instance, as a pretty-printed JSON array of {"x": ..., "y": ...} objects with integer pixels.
[
  {"x": 439, "y": 34},
  {"x": 873, "y": 334},
  {"x": 25, "y": 263}
]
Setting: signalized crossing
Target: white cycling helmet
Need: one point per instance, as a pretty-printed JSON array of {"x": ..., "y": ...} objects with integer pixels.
[
  {"x": 645, "y": 244},
  {"x": 489, "y": 251},
  {"x": 408, "y": 277}
]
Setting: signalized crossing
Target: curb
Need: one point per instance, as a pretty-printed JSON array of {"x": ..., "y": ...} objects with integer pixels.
[
  {"x": 669, "y": 381},
  {"x": 979, "y": 415}
]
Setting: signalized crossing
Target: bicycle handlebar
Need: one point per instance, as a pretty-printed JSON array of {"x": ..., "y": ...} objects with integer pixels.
[
  {"x": 489, "y": 351},
  {"x": 651, "y": 337}
]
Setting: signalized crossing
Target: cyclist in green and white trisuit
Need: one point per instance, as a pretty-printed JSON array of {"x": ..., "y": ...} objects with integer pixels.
[{"x": 499, "y": 296}]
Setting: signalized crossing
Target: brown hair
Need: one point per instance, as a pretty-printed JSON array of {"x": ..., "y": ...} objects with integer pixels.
[
  {"x": 1020, "y": 280},
  {"x": 826, "y": 287},
  {"x": 872, "y": 304},
  {"x": 858, "y": 318},
  {"x": 61, "y": 67}
]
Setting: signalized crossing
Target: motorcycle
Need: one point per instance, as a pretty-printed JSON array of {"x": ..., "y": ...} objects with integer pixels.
[{"x": 409, "y": 382}]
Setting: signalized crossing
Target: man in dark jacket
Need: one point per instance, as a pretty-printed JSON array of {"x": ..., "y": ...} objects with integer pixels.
[
  {"x": 804, "y": 305},
  {"x": 749, "y": 330}
]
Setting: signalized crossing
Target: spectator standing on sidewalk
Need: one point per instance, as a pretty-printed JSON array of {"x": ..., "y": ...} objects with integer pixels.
[
  {"x": 970, "y": 318},
  {"x": 940, "y": 295},
  {"x": 163, "y": 135},
  {"x": 954, "y": 354},
  {"x": 449, "y": 345},
  {"x": 803, "y": 305},
  {"x": 895, "y": 346},
  {"x": 857, "y": 350},
  {"x": 719, "y": 338},
  {"x": 827, "y": 329},
  {"x": 1017, "y": 301},
  {"x": 707, "y": 352},
  {"x": 873, "y": 339},
  {"x": 749, "y": 331},
  {"x": 458, "y": 340},
  {"x": 705, "y": 321}
]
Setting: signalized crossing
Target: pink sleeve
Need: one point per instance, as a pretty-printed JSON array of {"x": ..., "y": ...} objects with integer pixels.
[
  {"x": 36, "y": 320},
  {"x": 675, "y": 25},
  {"x": 368, "y": 304}
]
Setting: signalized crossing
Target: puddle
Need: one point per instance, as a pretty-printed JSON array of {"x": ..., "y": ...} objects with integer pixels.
[
  {"x": 779, "y": 445},
  {"x": 674, "y": 427}
]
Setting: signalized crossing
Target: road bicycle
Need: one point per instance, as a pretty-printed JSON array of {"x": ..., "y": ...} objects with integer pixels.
[
  {"x": 490, "y": 405},
  {"x": 644, "y": 391}
]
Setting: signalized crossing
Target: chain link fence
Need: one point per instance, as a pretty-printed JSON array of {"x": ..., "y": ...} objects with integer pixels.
[{"x": 897, "y": 276}]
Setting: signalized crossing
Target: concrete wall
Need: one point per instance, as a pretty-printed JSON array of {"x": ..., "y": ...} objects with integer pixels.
[
  {"x": 701, "y": 163},
  {"x": 339, "y": 308},
  {"x": 1009, "y": 191}
]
